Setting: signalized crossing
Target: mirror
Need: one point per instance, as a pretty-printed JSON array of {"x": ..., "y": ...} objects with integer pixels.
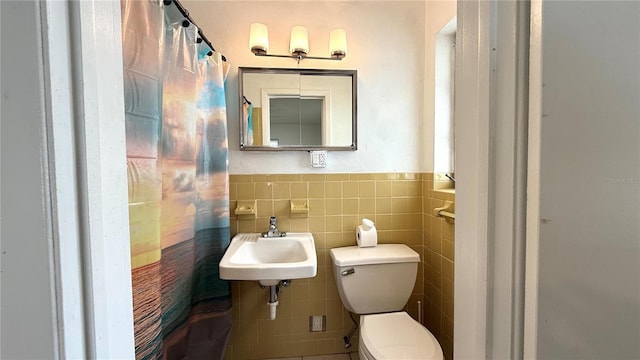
[{"x": 297, "y": 109}]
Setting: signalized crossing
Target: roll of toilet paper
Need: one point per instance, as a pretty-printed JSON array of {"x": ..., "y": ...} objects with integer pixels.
[{"x": 366, "y": 234}]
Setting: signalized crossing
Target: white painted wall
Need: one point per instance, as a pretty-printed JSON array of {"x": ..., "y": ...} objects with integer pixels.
[
  {"x": 584, "y": 253},
  {"x": 386, "y": 45}
]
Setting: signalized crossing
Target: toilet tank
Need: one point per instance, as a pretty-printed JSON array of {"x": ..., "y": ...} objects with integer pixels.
[{"x": 375, "y": 279}]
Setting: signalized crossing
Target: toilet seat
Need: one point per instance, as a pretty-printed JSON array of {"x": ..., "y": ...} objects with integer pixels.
[{"x": 396, "y": 336}]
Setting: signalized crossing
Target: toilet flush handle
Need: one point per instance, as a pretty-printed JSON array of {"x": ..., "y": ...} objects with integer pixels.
[{"x": 348, "y": 272}]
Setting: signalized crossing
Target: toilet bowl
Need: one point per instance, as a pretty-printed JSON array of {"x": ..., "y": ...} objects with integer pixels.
[
  {"x": 376, "y": 282},
  {"x": 396, "y": 336}
]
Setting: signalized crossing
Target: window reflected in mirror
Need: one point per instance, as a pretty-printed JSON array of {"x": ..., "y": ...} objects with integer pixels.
[{"x": 296, "y": 121}]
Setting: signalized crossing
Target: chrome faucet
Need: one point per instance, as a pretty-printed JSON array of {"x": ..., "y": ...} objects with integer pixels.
[{"x": 273, "y": 229}]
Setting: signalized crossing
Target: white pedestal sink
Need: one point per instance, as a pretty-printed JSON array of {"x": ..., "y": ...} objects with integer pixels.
[{"x": 269, "y": 260}]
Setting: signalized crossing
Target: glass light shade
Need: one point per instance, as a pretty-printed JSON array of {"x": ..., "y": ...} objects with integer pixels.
[
  {"x": 338, "y": 43},
  {"x": 299, "y": 40},
  {"x": 259, "y": 37}
]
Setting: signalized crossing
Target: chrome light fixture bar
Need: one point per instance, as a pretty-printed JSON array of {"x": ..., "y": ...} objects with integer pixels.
[{"x": 299, "y": 43}]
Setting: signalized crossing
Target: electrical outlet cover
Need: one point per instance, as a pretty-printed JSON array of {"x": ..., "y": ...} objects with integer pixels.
[{"x": 317, "y": 323}]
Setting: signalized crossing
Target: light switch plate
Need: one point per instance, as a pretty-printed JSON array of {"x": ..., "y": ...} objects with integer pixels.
[{"x": 318, "y": 158}]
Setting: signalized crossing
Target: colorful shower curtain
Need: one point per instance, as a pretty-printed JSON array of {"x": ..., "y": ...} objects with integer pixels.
[{"x": 178, "y": 185}]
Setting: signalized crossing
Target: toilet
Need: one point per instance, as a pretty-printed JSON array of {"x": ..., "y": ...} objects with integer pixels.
[{"x": 376, "y": 282}]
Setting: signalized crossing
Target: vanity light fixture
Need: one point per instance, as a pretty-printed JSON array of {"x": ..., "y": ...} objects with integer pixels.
[{"x": 299, "y": 43}]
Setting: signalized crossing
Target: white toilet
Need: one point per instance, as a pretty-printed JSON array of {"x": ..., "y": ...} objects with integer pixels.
[{"x": 376, "y": 283}]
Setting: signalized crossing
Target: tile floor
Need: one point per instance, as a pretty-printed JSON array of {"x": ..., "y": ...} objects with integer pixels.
[{"x": 350, "y": 356}]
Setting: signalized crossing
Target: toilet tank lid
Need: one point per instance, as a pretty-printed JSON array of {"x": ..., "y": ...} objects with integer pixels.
[{"x": 381, "y": 254}]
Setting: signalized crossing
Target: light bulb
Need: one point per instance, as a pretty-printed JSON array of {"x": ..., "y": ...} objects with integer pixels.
[
  {"x": 259, "y": 38},
  {"x": 338, "y": 43},
  {"x": 299, "y": 40}
]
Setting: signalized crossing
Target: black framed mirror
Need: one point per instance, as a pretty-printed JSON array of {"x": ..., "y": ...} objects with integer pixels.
[{"x": 297, "y": 109}]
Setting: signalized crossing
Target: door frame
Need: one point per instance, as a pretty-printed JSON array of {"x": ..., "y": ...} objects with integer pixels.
[
  {"x": 491, "y": 109},
  {"x": 533, "y": 184},
  {"x": 83, "y": 87}
]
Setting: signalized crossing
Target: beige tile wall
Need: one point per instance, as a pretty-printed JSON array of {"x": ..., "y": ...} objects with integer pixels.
[
  {"x": 439, "y": 236},
  {"x": 338, "y": 202}
]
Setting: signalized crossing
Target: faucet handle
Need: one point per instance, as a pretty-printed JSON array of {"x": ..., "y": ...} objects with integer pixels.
[{"x": 273, "y": 229}]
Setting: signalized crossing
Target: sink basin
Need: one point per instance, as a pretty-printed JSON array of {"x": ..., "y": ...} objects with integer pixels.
[{"x": 269, "y": 260}]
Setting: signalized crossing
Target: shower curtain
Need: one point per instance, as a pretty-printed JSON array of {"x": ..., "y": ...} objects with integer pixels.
[{"x": 178, "y": 185}]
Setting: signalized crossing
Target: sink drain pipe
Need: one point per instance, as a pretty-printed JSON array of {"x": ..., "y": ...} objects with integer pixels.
[
  {"x": 273, "y": 300},
  {"x": 273, "y": 295}
]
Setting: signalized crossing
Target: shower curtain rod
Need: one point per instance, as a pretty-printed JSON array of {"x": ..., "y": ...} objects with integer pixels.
[{"x": 185, "y": 13}]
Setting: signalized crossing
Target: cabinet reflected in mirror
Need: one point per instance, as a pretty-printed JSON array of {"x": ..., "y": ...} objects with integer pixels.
[{"x": 297, "y": 109}]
